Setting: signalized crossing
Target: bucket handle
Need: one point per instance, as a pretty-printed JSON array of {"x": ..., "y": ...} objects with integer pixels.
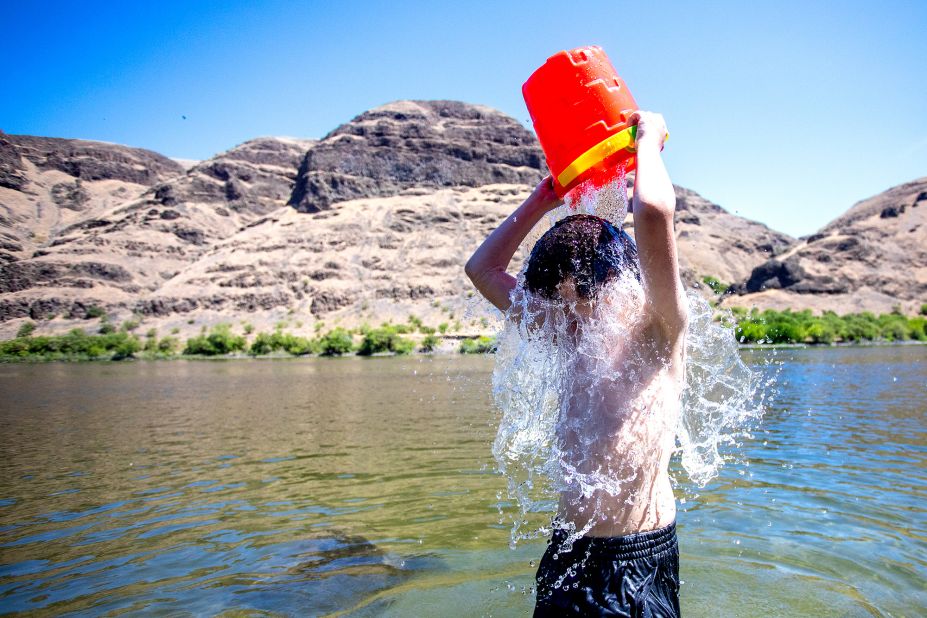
[{"x": 623, "y": 140}]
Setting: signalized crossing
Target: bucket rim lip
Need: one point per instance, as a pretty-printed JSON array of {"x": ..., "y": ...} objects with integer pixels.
[{"x": 568, "y": 53}]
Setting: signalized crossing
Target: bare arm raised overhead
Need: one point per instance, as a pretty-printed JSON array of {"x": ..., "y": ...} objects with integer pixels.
[
  {"x": 654, "y": 204},
  {"x": 486, "y": 268}
]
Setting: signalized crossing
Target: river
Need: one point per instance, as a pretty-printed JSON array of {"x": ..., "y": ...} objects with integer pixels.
[{"x": 365, "y": 487}]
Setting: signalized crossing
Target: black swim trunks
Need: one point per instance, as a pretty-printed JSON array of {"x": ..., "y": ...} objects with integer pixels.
[{"x": 634, "y": 576}]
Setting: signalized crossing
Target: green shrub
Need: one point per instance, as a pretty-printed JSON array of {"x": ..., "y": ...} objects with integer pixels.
[
  {"x": 150, "y": 345},
  {"x": 429, "y": 343},
  {"x": 401, "y": 345},
  {"x": 385, "y": 339},
  {"x": 715, "y": 284},
  {"x": 477, "y": 345},
  {"x": 26, "y": 329},
  {"x": 74, "y": 345},
  {"x": 168, "y": 345},
  {"x": 822, "y": 332},
  {"x": 859, "y": 327},
  {"x": 219, "y": 341},
  {"x": 126, "y": 347},
  {"x": 199, "y": 345},
  {"x": 106, "y": 328},
  {"x": 376, "y": 340},
  {"x": 894, "y": 327},
  {"x": 918, "y": 328},
  {"x": 426, "y": 330},
  {"x": 129, "y": 325},
  {"x": 16, "y": 348},
  {"x": 265, "y": 343},
  {"x": 442, "y": 328},
  {"x": 300, "y": 346},
  {"x": 262, "y": 344},
  {"x": 336, "y": 342},
  {"x": 924, "y": 309},
  {"x": 94, "y": 312},
  {"x": 248, "y": 328},
  {"x": 749, "y": 331}
]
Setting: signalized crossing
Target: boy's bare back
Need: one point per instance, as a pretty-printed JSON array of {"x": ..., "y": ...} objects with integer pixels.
[{"x": 617, "y": 427}]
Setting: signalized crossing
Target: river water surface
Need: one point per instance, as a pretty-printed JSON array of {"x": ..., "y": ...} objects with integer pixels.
[{"x": 366, "y": 487}]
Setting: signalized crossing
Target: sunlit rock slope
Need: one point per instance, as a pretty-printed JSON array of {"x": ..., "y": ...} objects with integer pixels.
[
  {"x": 871, "y": 258},
  {"x": 372, "y": 222}
]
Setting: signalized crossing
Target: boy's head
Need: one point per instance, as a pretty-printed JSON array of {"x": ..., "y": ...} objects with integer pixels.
[{"x": 584, "y": 249}]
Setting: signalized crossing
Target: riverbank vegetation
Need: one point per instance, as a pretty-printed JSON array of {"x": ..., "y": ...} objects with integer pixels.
[
  {"x": 804, "y": 327},
  {"x": 112, "y": 343}
]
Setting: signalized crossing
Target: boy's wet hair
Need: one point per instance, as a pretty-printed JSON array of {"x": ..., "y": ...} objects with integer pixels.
[{"x": 587, "y": 248}]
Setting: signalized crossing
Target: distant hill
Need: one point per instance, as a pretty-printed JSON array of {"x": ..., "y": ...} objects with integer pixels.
[
  {"x": 372, "y": 222},
  {"x": 48, "y": 185},
  {"x": 871, "y": 258}
]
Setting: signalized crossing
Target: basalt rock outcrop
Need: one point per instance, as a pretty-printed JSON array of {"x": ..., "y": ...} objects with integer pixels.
[
  {"x": 423, "y": 144},
  {"x": 871, "y": 258}
]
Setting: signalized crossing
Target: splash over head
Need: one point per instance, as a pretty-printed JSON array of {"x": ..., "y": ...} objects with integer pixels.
[
  {"x": 586, "y": 249},
  {"x": 575, "y": 432}
]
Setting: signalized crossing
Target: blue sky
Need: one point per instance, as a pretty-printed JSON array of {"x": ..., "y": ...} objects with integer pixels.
[{"x": 779, "y": 111}]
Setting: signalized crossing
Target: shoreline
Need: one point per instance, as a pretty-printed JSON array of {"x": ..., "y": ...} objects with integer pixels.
[{"x": 7, "y": 360}]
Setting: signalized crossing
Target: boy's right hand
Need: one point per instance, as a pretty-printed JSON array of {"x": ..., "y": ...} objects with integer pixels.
[{"x": 544, "y": 196}]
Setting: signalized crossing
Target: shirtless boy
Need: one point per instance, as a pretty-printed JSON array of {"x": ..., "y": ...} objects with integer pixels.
[{"x": 619, "y": 426}]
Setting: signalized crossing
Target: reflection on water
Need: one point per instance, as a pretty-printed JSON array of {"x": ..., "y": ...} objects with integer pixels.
[{"x": 366, "y": 486}]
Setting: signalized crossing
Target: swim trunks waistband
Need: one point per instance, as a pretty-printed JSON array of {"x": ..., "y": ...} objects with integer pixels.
[{"x": 628, "y": 547}]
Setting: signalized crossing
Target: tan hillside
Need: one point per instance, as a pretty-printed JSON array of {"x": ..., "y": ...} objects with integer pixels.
[
  {"x": 50, "y": 185},
  {"x": 871, "y": 258},
  {"x": 373, "y": 222}
]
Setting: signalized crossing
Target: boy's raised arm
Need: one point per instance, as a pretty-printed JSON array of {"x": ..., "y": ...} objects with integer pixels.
[
  {"x": 486, "y": 268},
  {"x": 654, "y": 203}
]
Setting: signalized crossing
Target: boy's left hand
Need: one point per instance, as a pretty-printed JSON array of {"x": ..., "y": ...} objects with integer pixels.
[{"x": 651, "y": 128}]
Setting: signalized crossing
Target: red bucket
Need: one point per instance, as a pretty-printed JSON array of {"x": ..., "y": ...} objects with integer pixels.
[{"x": 580, "y": 108}]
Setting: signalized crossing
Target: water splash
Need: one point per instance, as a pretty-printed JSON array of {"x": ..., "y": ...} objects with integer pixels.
[{"x": 592, "y": 408}]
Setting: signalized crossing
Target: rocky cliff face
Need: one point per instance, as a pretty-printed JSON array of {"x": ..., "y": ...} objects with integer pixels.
[
  {"x": 422, "y": 144},
  {"x": 48, "y": 185},
  {"x": 373, "y": 222},
  {"x": 872, "y": 258},
  {"x": 129, "y": 249},
  {"x": 713, "y": 242}
]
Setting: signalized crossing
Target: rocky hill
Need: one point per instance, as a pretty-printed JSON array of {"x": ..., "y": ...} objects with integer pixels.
[
  {"x": 48, "y": 185},
  {"x": 421, "y": 144},
  {"x": 872, "y": 258},
  {"x": 372, "y": 222},
  {"x": 713, "y": 242}
]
